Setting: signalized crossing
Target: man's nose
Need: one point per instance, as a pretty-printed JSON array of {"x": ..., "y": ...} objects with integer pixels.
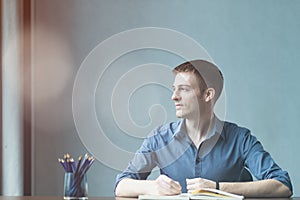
[{"x": 175, "y": 96}]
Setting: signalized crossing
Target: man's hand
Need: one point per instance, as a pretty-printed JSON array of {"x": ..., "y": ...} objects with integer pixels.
[
  {"x": 197, "y": 183},
  {"x": 164, "y": 185}
]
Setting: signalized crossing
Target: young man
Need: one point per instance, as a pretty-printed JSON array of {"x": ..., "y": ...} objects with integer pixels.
[{"x": 200, "y": 150}]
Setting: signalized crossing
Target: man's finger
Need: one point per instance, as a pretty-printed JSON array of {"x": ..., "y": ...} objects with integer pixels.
[
  {"x": 170, "y": 184},
  {"x": 193, "y": 181}
]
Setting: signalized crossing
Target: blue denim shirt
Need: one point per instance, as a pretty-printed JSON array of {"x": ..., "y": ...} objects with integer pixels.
[{"x": 222, "y": 157}]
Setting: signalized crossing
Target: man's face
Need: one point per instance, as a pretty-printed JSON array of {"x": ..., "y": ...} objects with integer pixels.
[{"x": 187, "y": 96}]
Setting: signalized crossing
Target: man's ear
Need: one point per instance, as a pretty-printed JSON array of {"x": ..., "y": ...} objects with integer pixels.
[{"x": 209, "y": 94}]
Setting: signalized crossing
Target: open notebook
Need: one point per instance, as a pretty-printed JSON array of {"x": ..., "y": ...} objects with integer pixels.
[{"x": 205, "y": 193}]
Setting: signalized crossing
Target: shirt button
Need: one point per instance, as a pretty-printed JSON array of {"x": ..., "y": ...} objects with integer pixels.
[{"x": 197, "y": 160}]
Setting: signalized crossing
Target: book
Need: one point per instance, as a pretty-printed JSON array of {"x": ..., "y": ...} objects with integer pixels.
[{"x": 201, "y": 194}]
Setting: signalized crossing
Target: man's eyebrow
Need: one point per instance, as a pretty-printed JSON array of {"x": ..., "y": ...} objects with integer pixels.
[{"x": 182, "y": 85}]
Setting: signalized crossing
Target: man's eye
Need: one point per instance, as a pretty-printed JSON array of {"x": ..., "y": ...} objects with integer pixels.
[{"x": 183, "y": 89}]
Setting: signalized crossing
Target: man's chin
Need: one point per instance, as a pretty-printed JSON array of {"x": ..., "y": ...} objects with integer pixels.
[{"x": 179, "y": 115}]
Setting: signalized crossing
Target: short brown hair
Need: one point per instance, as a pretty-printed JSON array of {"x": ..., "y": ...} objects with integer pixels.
[{"x": 208, "y": 74}]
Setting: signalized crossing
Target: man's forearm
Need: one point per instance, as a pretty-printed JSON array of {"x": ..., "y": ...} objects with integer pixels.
[
  {"x": 262, "y": 188},
  {"x": 128, "y": 187},
  {"x": 162, "y": 185}
]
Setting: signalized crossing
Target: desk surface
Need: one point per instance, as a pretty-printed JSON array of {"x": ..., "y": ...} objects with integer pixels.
[{"x": 111, "y": 198}]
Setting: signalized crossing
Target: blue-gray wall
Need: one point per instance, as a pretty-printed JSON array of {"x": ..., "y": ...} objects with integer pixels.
[{"x": 255, "y": 43}]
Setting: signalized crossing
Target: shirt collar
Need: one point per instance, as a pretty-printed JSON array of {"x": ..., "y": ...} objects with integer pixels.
[
  {"x": 217, "y": 128},
  {"x": 181, "y": 130},
  {"x": 218, "y": 125}
]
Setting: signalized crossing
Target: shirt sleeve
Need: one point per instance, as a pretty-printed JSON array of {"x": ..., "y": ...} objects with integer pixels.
[
  {"x": 260, "y": 162},
  {"x": 142, "y": 163}
]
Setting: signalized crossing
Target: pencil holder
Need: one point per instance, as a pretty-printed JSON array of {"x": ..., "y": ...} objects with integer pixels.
[{"x": 75, "y": 186}]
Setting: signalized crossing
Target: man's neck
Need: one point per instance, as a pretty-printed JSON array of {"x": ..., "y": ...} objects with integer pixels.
[{"x": 199, "y": 128}]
